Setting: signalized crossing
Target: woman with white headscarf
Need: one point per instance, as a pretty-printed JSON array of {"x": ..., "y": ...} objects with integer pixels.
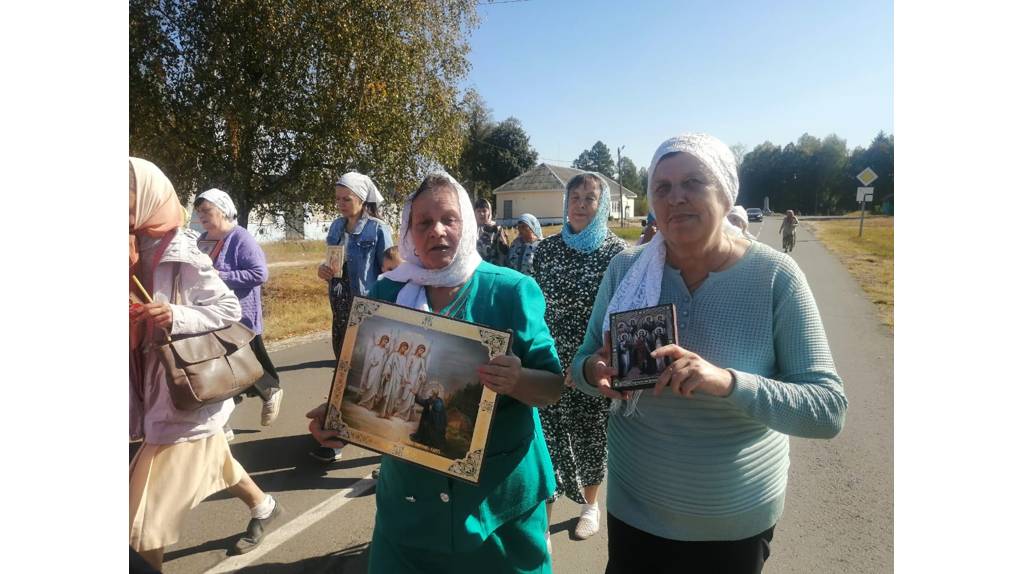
[
  {"x": 366, "y": 238},
  {"x": 751, "y": 367},
  {"x": 521, "y": 252},
  {"x": 426, "y": 521},
  {"x": 242, "y": 265},
  {"x": 184, "y": 456},
  {"x": 738, "y": 217},
  {"x": 570, "y": 266}
]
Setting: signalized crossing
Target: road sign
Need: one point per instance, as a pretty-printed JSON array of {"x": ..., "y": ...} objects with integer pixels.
[
  {"x": 865, "y": 193},
  {"x": 867, "y": 176}
]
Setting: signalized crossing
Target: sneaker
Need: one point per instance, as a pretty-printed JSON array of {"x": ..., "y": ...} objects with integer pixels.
[
  {"x": 256, "y": 529},
  {"x": 271, "y": 408},
  {"x": 375, "y": 473},
  {"x": 326, "y": 454},
  {"x": 229, "y": 433},
  {"x": 590, "y": 521},
  {"x": 547, "y": 536}
]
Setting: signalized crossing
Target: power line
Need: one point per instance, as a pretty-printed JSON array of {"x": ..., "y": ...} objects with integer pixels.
[{"x": 501, "y": 2}]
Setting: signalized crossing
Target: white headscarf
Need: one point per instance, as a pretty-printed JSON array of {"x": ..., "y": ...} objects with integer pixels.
[
  {"x": 641, "y": 287},
  {"x": 411, "y": 271},
  {"x": 223, "y": 202},
  {"x": 362, "y": 186}
]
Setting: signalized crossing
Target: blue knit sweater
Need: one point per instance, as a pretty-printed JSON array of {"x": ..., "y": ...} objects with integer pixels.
[{"x": 710, "y": 468}]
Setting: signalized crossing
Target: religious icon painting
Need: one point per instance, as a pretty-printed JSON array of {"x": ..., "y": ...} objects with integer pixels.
[
  {"x": 336, "y": 259},
  {"x": 634, "y": 335},
  {"x": 207, "y": 246},
  {"x": 406, "y": 385}
]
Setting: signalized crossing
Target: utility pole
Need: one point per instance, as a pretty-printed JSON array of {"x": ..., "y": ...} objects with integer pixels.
[{"x": 622, "y": 200}]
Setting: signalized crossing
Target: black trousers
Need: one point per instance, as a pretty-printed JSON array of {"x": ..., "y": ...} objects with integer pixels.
[
  {"x": 631, "y": 550},
  {"x": 270, "y": 380}
]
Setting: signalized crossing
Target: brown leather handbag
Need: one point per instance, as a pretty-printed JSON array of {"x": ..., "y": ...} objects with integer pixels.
[{"x": 208, "y": 367}]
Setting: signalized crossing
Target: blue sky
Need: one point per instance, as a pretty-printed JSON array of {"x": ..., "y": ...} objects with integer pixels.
[{"x": 636, "y": 73}]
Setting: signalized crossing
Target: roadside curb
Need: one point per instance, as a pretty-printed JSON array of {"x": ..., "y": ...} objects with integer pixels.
[{"x": 290, "y": 342}]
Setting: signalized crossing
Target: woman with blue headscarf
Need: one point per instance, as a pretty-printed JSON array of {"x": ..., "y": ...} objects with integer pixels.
[
  {"x": 569, "y": 267},
  {"x": 523, "y": 249}
]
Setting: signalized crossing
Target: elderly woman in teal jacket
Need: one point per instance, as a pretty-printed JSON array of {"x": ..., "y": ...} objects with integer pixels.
[{"x": 428, "y": 522}]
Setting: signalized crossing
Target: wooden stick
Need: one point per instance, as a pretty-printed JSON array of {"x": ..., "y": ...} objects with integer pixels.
[{"x": 143, "y": 289}]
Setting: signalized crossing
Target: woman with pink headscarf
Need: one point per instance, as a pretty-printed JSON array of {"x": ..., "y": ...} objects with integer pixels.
[{"x": 184, "y": 456}]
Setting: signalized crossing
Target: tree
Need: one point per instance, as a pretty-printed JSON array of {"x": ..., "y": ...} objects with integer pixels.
[
  {"x": 472, "y": 166},
  {"x": 598, "y": 158},
  {"x": 630, "y": 177},
  {"x": 739, "y": 150},
  {"x": 641, "y": 179},
  {"x": 272, "y": 100},
  {"x": 507, "y": 153}
]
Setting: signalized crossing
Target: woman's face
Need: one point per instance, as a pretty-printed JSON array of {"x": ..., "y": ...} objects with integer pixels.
[
  {"x": 349, "y": 204},
  {"x": 687, "y": 203},
  {"x": 583, "y": 203},
  {"x": 483, "y": 215},
  {"x": 384, "y": 341},
  {"x": 403, "y": 348},
  {"x": 525, "y": 232},
  {"x": 210, "y": 216},
  {"x": 436, "y": 227},
  {"x": 420, "y": 350}
]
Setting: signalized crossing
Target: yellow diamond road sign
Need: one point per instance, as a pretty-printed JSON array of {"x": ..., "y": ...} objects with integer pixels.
[{"x": 867, "y": 176}]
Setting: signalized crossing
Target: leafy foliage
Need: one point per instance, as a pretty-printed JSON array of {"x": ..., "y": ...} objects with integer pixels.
[
  {"x": 598, "y": 158},
  {"x": 814, "y": 175},
  {"x": 272, "y": 100},
  {"x": 492, "y": 154}
]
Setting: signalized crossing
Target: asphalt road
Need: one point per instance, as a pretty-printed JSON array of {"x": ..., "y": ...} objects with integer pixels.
[{"x": 839, "y": 511}]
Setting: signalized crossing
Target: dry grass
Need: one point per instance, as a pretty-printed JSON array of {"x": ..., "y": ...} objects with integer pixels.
[
  {"x": 279, "y": 251},
  {"x": 869, "y": 258},
  {"x": 295, "y": 303}
]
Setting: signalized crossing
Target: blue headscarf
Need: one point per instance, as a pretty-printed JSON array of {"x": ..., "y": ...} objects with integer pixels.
[
  {"x": 593, "y": 235},
  {"x": 532, "y": 223}
]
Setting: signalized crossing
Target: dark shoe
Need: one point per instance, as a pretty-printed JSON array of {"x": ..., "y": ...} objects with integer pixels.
[
  {"x": 326, "y": 454},
  {"x": 375, "y": 473},
  {"x": 256, "y": 529}
]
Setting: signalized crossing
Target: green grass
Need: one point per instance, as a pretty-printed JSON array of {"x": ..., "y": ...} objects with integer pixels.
[{"x": 869, "y": 258}]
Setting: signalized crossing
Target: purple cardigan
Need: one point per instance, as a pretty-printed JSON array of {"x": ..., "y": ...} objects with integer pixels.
[{"x": 243, "y": 267}]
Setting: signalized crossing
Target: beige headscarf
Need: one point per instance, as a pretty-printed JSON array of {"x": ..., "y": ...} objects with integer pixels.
[{"x": 157, "y": 209}]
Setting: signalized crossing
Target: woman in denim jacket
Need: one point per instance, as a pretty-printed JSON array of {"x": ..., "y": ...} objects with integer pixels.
[{"x": 365, "y": 237}]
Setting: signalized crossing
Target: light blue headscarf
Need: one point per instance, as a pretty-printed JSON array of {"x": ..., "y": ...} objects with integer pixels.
[
  {"x": 593, "y": 235},
  {"x": 532, "y": 223}
]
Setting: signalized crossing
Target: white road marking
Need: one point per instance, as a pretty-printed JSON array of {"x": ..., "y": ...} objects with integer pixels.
[{"x": 294, "y": 527}]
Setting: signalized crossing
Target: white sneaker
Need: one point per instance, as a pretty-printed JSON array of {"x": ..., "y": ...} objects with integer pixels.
[
  {"x": 271, "y": 408},
  {"x": 547, "y": 535},
  {"x": 590, "y": 521},
  {"x": 229, "y": 433}
]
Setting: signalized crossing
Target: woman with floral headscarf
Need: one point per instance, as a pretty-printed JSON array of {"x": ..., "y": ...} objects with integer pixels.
[
  {"x": 427, "y": 522},
  {"x": 570, "y": 266},
  {"x": 240, "y": 261},
  {"x": 751, "y": 367},
  {"x": 184, "y": 456},
  {"x": 366, "y": 238}
]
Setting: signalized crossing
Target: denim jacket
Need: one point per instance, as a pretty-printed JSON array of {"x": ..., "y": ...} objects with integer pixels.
[{"x": 364, "y": 253}]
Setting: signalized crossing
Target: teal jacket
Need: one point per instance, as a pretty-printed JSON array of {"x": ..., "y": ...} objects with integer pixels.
[{"x": 424, "y": 509}]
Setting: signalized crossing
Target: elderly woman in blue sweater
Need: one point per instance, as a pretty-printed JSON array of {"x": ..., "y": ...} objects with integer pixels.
[{"x": 697, "y": 466}]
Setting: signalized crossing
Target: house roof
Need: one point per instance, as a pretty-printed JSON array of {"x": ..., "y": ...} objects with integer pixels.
[{"x": 545, "y": 178}]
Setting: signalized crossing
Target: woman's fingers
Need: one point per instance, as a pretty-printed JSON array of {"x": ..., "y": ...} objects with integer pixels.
[{"x": 672, "y": 351}]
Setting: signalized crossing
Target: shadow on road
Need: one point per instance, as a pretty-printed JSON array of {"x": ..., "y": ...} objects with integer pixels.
[
  {"x": 224, "y": 544},
  {"x": 324, "y": 364},
  {"x": 351, "y": 560}
]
